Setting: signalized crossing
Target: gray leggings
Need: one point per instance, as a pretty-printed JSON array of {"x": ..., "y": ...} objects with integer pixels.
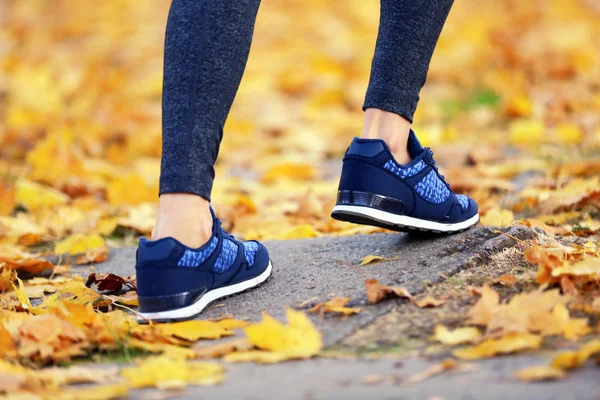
[{"x": 206, "y": 48}]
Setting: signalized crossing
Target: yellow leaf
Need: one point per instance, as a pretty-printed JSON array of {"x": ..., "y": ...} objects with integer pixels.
[
  {"x": 194, "y": 330},
  {"x": 510, "y": 343},
  {"x": 33, "y": 195},
  {"x": 7, "y": 199},
  {"x": 167, "y": 373},
  {"x": 261, "y": 357},
  {"x": 141, "y": 218},
  {"x": 540, "y": 373},
  {"x": 484, "y": 310},
  {"x": 296, "y": 171},
  {"x": 457, "y": 336},
  {"x": 20, "y": 291},
  {"x": 298, "y": 339},
  {"x": 169, "y": 350},
  {"x": 130, "y": 189},
  {"x": 304, "y": 231},
  {"x": 497, "y": 217},
  {"x": 370, "y": 259},
  {"x": 102, "y": 392},
  {"x": 78, "y": 243},
  {"x": 335, "y": 305},
  {"x": 572, "y": 359},
  {"x": 588, "y": 266},
  {"x": 569, "y": 133},
  {"x": 519, "y": 106},
  {"x": 526, "y": 132}
]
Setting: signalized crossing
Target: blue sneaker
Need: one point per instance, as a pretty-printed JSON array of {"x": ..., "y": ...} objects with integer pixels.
[
  {"x": 376, "y": 190},
  {"x": 175, "y": 282}
]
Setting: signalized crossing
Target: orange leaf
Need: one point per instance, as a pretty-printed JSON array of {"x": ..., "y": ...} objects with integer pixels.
[{"x": 377, "y": 292}]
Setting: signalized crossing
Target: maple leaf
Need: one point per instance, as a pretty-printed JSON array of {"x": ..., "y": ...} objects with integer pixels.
[
  {"x": 377, "y": 292},
  {"x": 497, "y": 217},
  {"x": 484, "y": 310},
  {"x": 278, "y": 342}
]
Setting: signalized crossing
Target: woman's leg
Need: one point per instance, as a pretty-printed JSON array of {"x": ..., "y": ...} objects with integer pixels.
[
  {"x": 408, "y": 33},
  {"x": 206, "y": 47},
  {"x": 195, "y": 262},
  {"x": 402, "y": 190}
]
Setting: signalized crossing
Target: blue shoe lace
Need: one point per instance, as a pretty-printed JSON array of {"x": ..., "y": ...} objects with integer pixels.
[{"x": 430, "y": 160}]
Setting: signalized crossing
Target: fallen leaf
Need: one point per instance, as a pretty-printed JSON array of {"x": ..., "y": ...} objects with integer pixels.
[
  {"x": 110, "y": 282},
  {"x": 102, "y": 392},
  {"x": 497, "y": 217},
  {"x": 429, "y": 301},
  {"x": 78, "y": 243},
  {"x": 446, "y": 365},
  {"x": 553, "y": 230},
  {"x": 507, "y": 280},
  {"x": 167, "y": 373},
  {"x": 370, "y": 259},
  {"x": 456, "y": 336},
  {"x": 194, "y": 330},
  {"x": 573, "y": 359},
  {"x": 221, "y": 349},
  {"x": 510, "y": 343},
  {"x": 540, "y": 373},
  {"x": 278, "y": 342},
  {"x": 336, "y": 305},
  {"x": 92, "y": 256},
  {"x": 377, "y": 292},
  {"x": 484, "y": 310}
]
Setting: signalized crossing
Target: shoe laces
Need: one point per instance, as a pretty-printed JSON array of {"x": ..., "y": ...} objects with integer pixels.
[
  {"x": 225, "y": 234},
  {"x": 431, "y": 161}
]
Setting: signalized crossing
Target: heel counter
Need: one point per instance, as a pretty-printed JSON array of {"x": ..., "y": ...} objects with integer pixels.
[
  {"x": 364, "y": 177},
  {"x": 155, "y": 252}
]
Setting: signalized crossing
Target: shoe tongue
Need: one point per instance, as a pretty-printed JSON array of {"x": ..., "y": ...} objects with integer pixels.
[{"x": 414, "y": 146}]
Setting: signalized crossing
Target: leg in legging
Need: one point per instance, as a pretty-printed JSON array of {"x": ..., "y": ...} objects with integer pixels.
[
  {"x": 408, "y": 33},
  {"x": 206, "y": 48}
]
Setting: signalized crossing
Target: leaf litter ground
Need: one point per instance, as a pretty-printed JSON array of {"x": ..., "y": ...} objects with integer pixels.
[{"x": 74, "y": 185}]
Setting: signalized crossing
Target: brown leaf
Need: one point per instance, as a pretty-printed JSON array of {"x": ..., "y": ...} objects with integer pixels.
[
  {"x": 92, "y": 256},
  {"x": 429, "y": 301},
  {"x": 507, "y": 280},
  {"x": 336, "y": 305},
  {"x": 110, "y": 282},
  {"x": 446, "y": 365},
  {"x": 377, "y": 292}
]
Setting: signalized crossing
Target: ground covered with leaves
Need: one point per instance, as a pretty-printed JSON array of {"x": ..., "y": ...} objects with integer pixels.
[{"x": 511, "y": 107}]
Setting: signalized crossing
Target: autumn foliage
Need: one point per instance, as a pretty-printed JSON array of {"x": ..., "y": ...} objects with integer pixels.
[{"x": 511, "y": 107}]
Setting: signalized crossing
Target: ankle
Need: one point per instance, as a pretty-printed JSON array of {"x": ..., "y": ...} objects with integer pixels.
[
  {"x": 392, "y": 128},
  {"x": 185, "y": 217}
]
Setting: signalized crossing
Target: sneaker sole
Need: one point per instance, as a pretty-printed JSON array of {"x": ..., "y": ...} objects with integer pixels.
[
  {"x": 185, "y": 313},
  {"x": 371, "y": 216}
]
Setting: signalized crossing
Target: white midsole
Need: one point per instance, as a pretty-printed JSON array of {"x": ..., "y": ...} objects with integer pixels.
[
  {"x": 407, "y": 221},
  {"x": 207, "y": 298}
]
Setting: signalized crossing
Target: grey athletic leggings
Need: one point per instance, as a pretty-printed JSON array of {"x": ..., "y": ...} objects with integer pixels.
[{"x": 206, "y": 48}]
